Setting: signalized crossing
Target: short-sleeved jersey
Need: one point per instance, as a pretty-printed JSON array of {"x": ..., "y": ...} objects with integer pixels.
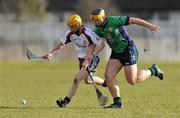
[
  {"x": 115, "y": 34},
  {"x": 81, "y": 41}
]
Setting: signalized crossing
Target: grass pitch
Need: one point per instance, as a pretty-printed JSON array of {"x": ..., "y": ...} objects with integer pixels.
[{"x": 41, "y": 83}]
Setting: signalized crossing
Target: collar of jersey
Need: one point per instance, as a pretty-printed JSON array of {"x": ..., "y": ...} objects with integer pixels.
[{"x": 78, "y": 32}]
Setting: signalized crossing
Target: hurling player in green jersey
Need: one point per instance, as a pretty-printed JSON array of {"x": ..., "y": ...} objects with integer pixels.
[{"x": 124, "y": 53}]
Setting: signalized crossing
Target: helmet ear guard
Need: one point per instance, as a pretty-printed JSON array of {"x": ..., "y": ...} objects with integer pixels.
[
  {"x": 97, "y": 14},
  {"x": 74, "y": 20}
]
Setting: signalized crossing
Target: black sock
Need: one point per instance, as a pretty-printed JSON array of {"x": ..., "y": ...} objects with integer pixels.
[
  {"x": 117, "y": 100},
  {"x": 104, "y": 84},
  {"x": 66, "y": 100}
]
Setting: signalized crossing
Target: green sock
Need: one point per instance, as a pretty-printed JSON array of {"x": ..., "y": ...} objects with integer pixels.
[
  {"x": 152, "y": 71},
  {"x": 117, "y": 100}
]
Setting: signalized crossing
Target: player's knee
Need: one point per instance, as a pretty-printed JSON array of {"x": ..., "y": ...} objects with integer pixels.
[
  {"x": 132, "y": 82},
  {"x": 76, "y": 80}
]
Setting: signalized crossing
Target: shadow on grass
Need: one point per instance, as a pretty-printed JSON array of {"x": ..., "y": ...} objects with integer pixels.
[
  {"x": 26, "y": 107},
  {"x": 82, "y": 107},
  {"x": 53, "y": 107}
]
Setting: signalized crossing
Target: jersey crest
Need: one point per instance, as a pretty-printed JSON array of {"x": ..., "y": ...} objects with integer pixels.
[{"x": 110, "y": 29}]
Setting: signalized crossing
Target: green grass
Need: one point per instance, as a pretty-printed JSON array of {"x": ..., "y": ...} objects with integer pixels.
[{"x": 41, "y": 83}]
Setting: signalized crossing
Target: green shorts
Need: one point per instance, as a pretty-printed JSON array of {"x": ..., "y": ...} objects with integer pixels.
[{"x": 128, "y": 57}]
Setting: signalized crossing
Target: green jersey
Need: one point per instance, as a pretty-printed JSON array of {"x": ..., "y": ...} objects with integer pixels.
[{"x": 111, "y": 32}]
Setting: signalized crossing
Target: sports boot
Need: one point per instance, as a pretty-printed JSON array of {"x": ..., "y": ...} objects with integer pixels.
[
  {"x": 61, "y": 103},
  {"x": 158, "y": 73}
]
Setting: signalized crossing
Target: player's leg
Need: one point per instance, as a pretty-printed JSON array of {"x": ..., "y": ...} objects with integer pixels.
[
  {"x": 130, "y": 68},
  {"x": 92, "y": 66},
  {"x": 133, "y": 77},
  {"x": 97, "y": 80},
  {"x": 73, "y": 89},
  {"x": 112, "y": 69},
  {"x": 79, "y": 76},
  {"x": 100, "y": 81}
]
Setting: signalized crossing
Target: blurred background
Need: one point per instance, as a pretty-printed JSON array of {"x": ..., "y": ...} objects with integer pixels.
[{"x": 39, "y": 25}]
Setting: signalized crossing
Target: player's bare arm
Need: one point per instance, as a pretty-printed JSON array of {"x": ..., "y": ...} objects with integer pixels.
[
  {"x": 56, "y": 48},
  {"x": 88, "y": 56},
  {"x": 144, "y": 23},
  {"x": 99, "y": 48},
  {"x": 92, "y": 49}
]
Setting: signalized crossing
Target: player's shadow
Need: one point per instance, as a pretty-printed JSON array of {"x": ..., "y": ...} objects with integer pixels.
[
  {"x": 30, "y": 107},
  {"x": 80, "y": 107},
  {"x": 25, "y": 107}
]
